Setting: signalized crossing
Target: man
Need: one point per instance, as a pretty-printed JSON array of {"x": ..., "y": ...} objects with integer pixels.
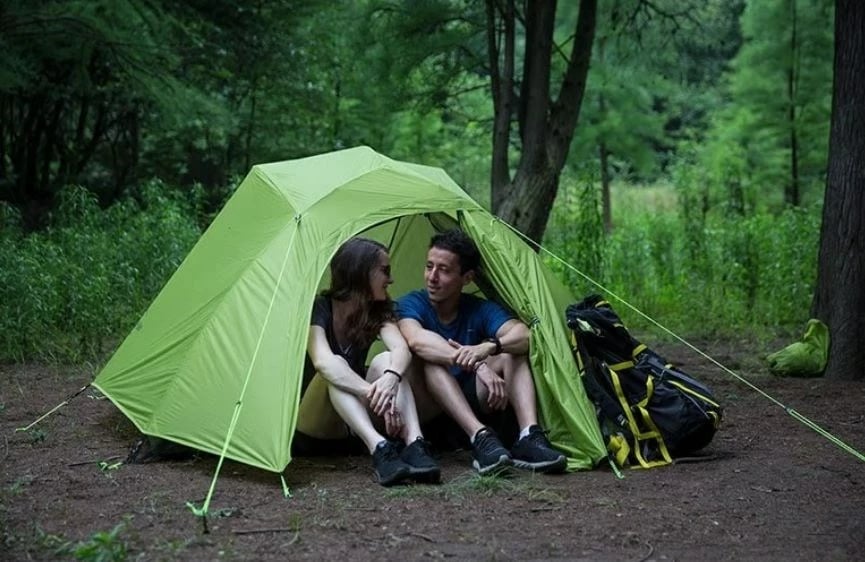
[{"x": 474, "y": 358}]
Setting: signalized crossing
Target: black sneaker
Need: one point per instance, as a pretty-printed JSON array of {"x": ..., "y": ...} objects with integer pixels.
[
  {"x": 421, "y": 463},
  {"x": 534, "y": 452},
  {"x": 489, "y": 453},
  {"x": 389, "y": 468}
]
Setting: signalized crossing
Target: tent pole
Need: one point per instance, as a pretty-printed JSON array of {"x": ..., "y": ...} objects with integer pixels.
[{"x": 203, "y": 510}]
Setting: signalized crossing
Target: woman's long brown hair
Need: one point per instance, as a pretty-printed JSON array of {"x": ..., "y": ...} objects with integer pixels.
[{"x": 350, "y": 272}]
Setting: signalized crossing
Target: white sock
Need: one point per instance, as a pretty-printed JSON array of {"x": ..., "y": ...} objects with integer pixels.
[{"x": 524, "y": 431}]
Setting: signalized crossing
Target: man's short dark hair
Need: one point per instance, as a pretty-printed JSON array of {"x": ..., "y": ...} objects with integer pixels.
[{"x": 458, "y": 242}]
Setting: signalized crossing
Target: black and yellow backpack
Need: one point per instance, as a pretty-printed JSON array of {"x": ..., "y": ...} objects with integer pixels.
[{"x": 650, "y": 412}]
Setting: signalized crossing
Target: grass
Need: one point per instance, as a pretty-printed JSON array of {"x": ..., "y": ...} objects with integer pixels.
[
  {"x": 715, "y": 275},
  {"x": 471, "y": 484},
  {"x": 628, "y": 199},
  {"x": 17, "y": 487}
]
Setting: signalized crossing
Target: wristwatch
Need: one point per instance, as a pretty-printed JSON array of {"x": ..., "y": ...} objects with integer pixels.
[{"x": 498, "y": 343}]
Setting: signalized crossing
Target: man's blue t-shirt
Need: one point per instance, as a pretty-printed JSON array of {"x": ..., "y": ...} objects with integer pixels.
[{"x": 477, "y": 319}]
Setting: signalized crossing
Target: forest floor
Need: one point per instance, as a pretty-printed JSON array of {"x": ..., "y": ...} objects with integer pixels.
[{"x": 773, "y": 489}]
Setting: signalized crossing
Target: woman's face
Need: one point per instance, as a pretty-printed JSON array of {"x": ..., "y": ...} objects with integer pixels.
[{"x": 379, "y": 277}]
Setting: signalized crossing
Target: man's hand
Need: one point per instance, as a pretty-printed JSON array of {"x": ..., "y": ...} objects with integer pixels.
[
  {"x": 498, "y": 397},
  {"x": 382, "y": 395},
  {"x": 468, "y": 357}
]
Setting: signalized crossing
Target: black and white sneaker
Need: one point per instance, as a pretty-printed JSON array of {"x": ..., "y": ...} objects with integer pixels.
[
  {"x": 389, "y": 468},
  {"x": 422, "y": 465},
  {"x": 489, "y": 453},
  {"x": 534, "y": 452}
]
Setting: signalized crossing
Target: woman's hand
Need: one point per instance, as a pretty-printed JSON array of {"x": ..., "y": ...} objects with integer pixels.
[
  {"x": 382, "y": 394},
  {"x": 393, "y": 423}
]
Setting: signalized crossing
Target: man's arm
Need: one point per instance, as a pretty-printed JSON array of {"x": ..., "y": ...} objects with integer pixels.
[
  {"x": 427, "y": 344},
  {"x": 513, "y": 336}
]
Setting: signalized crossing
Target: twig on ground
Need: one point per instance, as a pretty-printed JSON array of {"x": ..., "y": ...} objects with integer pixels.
[
  {"x": 427, "y": 538},
  {"x": 537, "y": 509},
  {"x": 96, "y": 461}
]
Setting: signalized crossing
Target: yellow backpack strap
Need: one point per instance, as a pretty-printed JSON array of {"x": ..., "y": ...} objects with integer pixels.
[{"x": 640, "y": 434}]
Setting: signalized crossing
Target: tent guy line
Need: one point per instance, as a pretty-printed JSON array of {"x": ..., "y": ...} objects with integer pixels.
[{"x": 804, "y": 420}]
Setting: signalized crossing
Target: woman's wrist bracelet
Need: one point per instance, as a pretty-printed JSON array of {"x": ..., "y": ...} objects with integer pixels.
[{"x": 391, "y": 371}]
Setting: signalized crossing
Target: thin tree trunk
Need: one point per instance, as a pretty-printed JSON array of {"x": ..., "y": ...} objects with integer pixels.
[
  {"x": 792, "y": 196},
  {"x": 603, "y": 153},
  {"x": 605, "y": 188},
  {"x": 250, "y": 127},
  {"x": 839, "y": 299},
  {"x": 502, "y": 85}
]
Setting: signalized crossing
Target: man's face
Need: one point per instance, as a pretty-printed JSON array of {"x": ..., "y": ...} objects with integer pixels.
[{"x": 443, "y": 278}]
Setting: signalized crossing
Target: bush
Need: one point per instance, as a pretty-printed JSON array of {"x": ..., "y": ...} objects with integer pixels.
[
  {"x": 701, "y": 275},
  {"x": 84, "y": 281}
]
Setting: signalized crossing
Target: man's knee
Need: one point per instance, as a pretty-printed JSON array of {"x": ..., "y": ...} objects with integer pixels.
[
  {"x": 435, "y": 374},
  {"x": 507, "y": 364}
]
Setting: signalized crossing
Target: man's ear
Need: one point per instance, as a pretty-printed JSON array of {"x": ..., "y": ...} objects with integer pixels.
[{"x": 468, "y": 277}]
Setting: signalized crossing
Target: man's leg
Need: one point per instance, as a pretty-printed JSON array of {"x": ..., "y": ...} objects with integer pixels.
[
  {"x": 488, "y": 452},
  {"x": 446, "y": 392},
  {"x": 532, "y": 451},
  {"x": 426, "y": 405},
  {"x": 518, "y": 384}
]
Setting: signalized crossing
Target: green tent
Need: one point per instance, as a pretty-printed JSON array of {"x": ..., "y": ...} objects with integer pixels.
[{"x": 216, "y": 360}]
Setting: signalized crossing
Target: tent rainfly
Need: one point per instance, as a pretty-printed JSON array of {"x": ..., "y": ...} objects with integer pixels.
[{"x": 216, "y": 361}]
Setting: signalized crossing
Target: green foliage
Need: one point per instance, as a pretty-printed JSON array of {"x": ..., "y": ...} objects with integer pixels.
[
  {"x": 36, "y": 436},
  {"x": 717, "y": 273},
  {"x": 82, "y": 75},
  {"x": 105, "y": 94},
  {"x": 67, "y": 291},
  {"x": 576, "y": 230},
  {"x": 771, "y": 135},
  {"x": 101, "y": 546}
]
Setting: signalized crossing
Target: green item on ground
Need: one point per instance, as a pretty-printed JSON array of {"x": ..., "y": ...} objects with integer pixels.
[
  {"x": 804, "y": 358},
  {"x": 216, "y": 361}
]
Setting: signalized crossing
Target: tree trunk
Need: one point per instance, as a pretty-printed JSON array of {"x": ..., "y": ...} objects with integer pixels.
[
  {"x": 603, "y": 153},
  {"x": 791, "y": 195},
  {"x": 839, "y": 299},
  {"x": 546, "y": 127},
  {"x": 502, "y": 84},
  {"x": 605, "y": 187}
]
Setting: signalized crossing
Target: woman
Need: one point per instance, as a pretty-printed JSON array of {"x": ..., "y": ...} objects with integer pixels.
[{"x": 346, "y": 319}]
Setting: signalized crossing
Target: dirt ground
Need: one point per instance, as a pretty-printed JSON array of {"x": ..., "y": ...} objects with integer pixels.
[{"x": 773, "y": 489}]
